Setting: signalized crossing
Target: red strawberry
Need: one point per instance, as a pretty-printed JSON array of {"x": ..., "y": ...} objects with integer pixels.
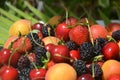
[
  {"x": 79, "y": 34},
  {"x": 98, "y": 31},
  {"x": 22, "y": 45}
]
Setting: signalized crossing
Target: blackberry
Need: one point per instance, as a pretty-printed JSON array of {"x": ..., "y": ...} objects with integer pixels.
[
  {"x": 97, "y": 70},
  {"x": 100, "y": 41},
  {"x": 23, "y": 62},
  {"x": 39, "y": 53},
  {"x": 86, "y": 51},
  {"x": 47, "y": 30},
  {"x": 80, "y": 67},
  {"x": 116, "y": 35},
  {"x": 34, "y": 38},
  {"x": 24, "y": 74},
  {"x": 71, "y": 45}
]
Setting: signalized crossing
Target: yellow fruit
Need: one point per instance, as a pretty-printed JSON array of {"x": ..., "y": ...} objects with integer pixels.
[
  {"x": 110, "y": 67},
  {"x": 22, "y": 27},
  {"x": 61, "y": 71}
]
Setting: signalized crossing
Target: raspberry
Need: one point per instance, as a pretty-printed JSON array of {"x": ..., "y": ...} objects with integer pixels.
[{"x": 80, "y": 67}]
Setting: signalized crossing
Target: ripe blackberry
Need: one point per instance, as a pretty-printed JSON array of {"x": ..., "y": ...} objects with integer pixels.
[
  {"x": 34, "y": 39},
  {"x": 47, "y": 30},
  {"x": 86, "y": 51},
  {"x": 97, "y": 70},
  {"x": 71, "y": 45},
  {"x": 23, "y": 62},
  {"x": 116, "y": 35},
  {"x": 80, "y": 67},
  {"x": 24, "y": 74},
  {"x": 39, "y": 53},
  {"x": 100, "y": 41}
]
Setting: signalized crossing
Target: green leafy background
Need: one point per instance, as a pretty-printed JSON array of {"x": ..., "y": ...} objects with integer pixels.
[{"x": 12, "y": 10}]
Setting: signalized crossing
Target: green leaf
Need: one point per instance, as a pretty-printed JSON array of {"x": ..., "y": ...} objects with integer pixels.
[
  {"x": 104, "y": 17},
  {"x": 6, "y": 20},
  {"x": 23, "y": 14},
  {"x": 37, "y": 13},
  {"x": 104, "y": 3},
  {"x": 50, "y": 10},
  {"x": 117, "y": 8},
  {"x": 9, "y": 15}
]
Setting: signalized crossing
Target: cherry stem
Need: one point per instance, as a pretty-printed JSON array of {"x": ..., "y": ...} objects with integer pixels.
[
  {"x": 93, "y": 73},
  {"x": 66, "y": 15},
  {"x": 58, "y": 55},
  {"x": 90, "y": 33}
]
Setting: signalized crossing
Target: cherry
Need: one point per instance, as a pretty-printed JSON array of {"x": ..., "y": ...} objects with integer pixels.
[
  {"x": 85, "y": 77},
  {"x": 74, "y": 54},
  {"x": 71, "y": 21},
  {"x": 37, "y": 74},
  {"x": 50, "y": 64},
  {"x": 62, "y": 31},
  {"x": 14, "y": 59},
  {"x": 49, "y": 47},
  {"x": 110, "y": 50},
  {"x": 37, "y": 26},
  {"x": 60, "y": 53},
  {"x": 114, "y": 77},
  {"x": 4, "y": 56},
  {"x": 8, "y": 73}
]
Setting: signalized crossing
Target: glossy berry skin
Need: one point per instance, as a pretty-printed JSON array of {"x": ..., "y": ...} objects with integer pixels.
[
  {"x": 59, "y": 53},
  {"x": 50, "y": 64},
  {"x": 37, "y": 74},
  {"x": 110, "y": 50},
  {"x": 49, "y": 47},
  {"x": 85, "y": 77},
  {"x": 37, "y": 26},
  {"x": 4, "y": 56},
  {"x": 114, "y": 77},
  {"x": 8, "y": 73},
  {"x": 74, "y": 54},
  {"x": 62, "y": 31}
]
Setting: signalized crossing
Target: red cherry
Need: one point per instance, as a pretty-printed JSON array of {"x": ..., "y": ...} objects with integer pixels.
[
  {"x": 74, "y": 54},
  {"x": 62, "y": 31},
  {"x": 85, "y": 77},
  {"x": 37, "y": 26},
  {"x": 60, "y": 53},
  {"x": 110, "y": 50},
  {"x": 4, "y": 56},
  {"x": 49, "y": 47},
  {"x": 50, "y": 64},
  {"x": 14, "y": 59},
  {"x": 8, "y": 73},
  {"x": 71, "y": 21},
  {"x": 37, "y": 74},
  {"x": 114, "y": 77}
]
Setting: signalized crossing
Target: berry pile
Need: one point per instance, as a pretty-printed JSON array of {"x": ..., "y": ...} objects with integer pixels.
[{"x": 71, "y": 50}]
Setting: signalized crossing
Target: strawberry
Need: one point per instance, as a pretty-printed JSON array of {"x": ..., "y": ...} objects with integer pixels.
[
  {"x": 79, "y": 34},
  {"x": 22, "y": 45}
]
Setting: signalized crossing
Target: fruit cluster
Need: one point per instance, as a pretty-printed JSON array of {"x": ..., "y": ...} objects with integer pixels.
[{"x": 69, "y": 50}]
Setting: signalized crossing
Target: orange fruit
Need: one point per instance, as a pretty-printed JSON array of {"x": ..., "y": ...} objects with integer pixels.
[
  {"x": 110, "y": 67},
  {"x": 61, "y": 71}
]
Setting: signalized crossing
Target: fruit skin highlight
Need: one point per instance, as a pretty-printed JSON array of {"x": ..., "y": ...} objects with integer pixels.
[
  {"x": 61, "y": 71},
  {"x": 110, "y": 67},
  {"x": 21, "y": 26}
]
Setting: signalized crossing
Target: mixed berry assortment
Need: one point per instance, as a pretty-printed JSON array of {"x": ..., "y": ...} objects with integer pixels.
[{"x": 85, "y": 47}]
